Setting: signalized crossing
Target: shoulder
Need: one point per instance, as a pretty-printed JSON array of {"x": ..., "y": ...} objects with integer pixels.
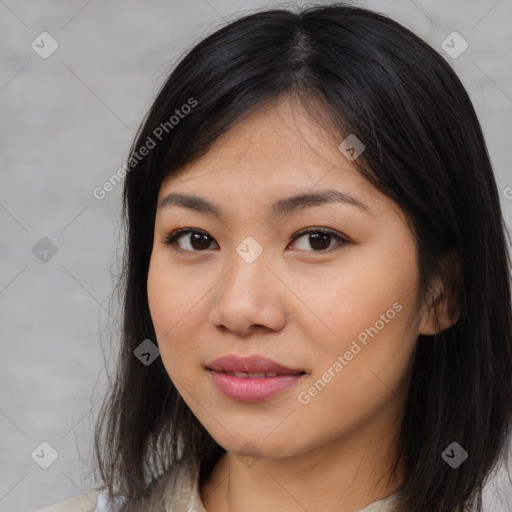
[
  {"x": 177, "y": 489},
  {"x": 181, "y": 487},
  {"x": 388, "y": 504},
  {"x": 83, "y": 502}
]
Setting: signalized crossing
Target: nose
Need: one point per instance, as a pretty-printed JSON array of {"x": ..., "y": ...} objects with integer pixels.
[{"x": 249, "y": 297}]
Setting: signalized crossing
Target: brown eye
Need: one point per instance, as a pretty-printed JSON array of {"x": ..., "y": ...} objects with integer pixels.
[
  {"x": 195, "y": 241},
  {"x": 319, "y": 239}
]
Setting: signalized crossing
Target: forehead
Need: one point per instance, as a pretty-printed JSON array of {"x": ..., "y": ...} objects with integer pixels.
[
  {"x": 272, "y": 146},
  {"x": 277, "y": 151}
]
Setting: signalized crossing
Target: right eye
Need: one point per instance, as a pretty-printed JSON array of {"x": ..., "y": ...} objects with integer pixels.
[{"x": 198, "y": 242}]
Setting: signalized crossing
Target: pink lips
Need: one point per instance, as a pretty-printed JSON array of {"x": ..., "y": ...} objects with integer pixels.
[{"x": 251, "y": 379}]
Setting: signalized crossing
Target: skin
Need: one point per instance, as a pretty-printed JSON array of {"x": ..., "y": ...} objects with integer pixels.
[{"x": 299, "y": 304}]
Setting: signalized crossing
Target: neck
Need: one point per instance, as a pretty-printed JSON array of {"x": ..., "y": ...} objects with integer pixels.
[{"x": 344, "y": 475}]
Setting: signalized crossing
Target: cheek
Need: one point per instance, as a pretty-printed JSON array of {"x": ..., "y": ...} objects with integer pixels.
[
  {"x": 171, "y": 294},
  {"x": 158, "y": 296},
  {"x": 166, "y": 310},
  {"x": 378, "y": 280},
  {"x": 174, "y": 299},
  {"x": 368, "y": 312},
  {"x": 357, "y": 371}
]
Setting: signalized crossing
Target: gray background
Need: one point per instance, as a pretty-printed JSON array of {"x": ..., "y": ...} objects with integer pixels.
[{"x": 66, "y": 125}]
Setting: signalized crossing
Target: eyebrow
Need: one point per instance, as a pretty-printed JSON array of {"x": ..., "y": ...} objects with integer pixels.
[{"x": 280, "y": 208}]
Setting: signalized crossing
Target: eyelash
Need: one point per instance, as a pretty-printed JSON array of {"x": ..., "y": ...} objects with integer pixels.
[{"x": 171, "y": 239}]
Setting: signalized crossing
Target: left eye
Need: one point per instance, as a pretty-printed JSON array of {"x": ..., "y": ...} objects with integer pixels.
[
  {"x": 319, "y": 239},
  {"x": 200, "y": 239}
]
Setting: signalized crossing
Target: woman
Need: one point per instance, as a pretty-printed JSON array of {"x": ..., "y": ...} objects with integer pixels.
[{"x": 317, "y": 309}]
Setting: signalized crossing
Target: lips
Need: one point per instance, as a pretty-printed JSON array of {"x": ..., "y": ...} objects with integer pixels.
[
  {"x": 252, "y": 375},
  {"x": 252, "y": 379},
  {"x": 251, "y": 367}
]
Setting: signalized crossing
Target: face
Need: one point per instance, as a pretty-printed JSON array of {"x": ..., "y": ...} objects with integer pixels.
[{"x": 336, "y": 306}]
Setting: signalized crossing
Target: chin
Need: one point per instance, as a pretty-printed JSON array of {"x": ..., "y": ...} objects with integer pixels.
[{"x": 258, "y": 444}]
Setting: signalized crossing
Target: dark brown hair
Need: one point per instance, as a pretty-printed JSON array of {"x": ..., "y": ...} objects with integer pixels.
[{"x": 358, "y": 72}]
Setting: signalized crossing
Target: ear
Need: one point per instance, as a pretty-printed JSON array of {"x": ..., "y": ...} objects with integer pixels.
[{"x": 442, "y": 307}]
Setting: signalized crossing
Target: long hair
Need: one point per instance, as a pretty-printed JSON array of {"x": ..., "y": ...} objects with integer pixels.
[{"x": 357, "y": 72}]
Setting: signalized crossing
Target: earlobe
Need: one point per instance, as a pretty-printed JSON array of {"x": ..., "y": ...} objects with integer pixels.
[
  {"x": 444, "y": 311},
  {"x": 438, "y": 317},
  {"x": 429, "y": 326}
]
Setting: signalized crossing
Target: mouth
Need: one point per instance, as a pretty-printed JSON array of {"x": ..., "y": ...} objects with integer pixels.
[
  {"x": 256, "y": 375},
  {"x": 252, "y": 366},
  {"x": 251, "y": 379}
]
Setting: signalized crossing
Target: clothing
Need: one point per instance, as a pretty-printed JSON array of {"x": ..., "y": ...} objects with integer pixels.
[{"x": 181, "y": 494}]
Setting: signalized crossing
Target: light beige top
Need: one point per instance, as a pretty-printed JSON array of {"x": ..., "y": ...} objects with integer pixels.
[{"x": 180, "y": 494}]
